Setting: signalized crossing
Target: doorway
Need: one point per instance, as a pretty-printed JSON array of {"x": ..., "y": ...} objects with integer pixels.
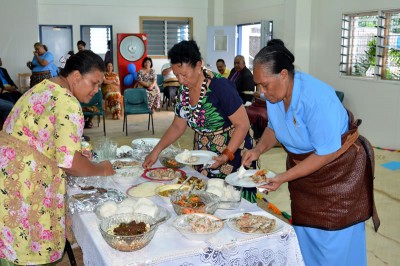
[
  {"x": 58, "y": 39},
  {"x": 98, "y": 38},
  {"x": 245, "y": 39},
  {"x": 252, "y": 38}
]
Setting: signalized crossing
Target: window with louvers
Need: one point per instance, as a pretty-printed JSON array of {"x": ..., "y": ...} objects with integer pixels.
[
  {"x": 370, "y": 45},
  {"x": 163, "y": 33}
]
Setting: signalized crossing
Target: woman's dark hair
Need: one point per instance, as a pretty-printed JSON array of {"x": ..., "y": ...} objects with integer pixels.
[
  {"x": 274, "y": 57},
  {"x": 85, "y": 62},
  {"x": 185, "y": 52},
  {"x": 147, "y": 59}
]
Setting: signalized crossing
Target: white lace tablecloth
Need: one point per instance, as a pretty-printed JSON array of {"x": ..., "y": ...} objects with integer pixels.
[{"x": 169, "y": 247}]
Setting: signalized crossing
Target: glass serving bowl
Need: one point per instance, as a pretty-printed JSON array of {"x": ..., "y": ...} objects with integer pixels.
[
  {"x": 127, "y": 176},
  {"x": 127, "y": 243},
  {"x": 170, "y": 162},
  {"x": 198, "y": 201},
  {"x": 198, "y": 226}
]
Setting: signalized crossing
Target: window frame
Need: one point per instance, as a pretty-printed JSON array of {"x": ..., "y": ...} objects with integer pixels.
[
  {"x": 166, "y": 19},
  {"x": 378, "y": 45}
]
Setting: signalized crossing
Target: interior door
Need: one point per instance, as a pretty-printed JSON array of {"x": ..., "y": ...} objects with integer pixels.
[
  {"x": 221, "y": 43},
  {"x": 58, "y": 39}
]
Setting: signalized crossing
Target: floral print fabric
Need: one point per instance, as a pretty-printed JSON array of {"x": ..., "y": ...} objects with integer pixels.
[
  {"x": 111, "y": 93},
  {"x": 153, "y": 97},
  {"x": 42, "y": 134}
]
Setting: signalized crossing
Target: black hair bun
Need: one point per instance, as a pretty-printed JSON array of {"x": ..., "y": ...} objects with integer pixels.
[{"x": 275, "y": 42}]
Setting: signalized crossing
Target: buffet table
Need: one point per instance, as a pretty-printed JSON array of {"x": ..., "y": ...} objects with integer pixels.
[{"x": 169, "y": 247}]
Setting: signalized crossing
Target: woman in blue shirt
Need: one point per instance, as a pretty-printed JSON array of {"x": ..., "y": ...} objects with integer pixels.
[
  {"x": 329, "y": 166},
  {"x": 42, "y": 64}
]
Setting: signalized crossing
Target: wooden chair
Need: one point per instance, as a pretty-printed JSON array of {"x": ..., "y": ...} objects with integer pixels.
[
  {"x": 24, "y": 80},
  {"x": 135, "y": 103}
]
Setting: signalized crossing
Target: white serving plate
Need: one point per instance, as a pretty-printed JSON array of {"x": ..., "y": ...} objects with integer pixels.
[
  {"x": 203, "y": 157},
  {"x": 246, "y": 181}
]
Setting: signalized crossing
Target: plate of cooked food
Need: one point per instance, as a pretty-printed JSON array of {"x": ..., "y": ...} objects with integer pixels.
[
  {"x": 195, "y": 157},
  {"x": 250, "y": 178},
  {"x": 162, "y": 174},
  {"x": 259, "y": 222}
]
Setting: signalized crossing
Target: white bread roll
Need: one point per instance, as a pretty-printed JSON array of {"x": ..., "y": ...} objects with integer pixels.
[
  {"x": 146, "y": 206},
  {"x": 216, "y": 182},
  {"x": 215, "y": 190},
  {"x": 108, "y": 208}
]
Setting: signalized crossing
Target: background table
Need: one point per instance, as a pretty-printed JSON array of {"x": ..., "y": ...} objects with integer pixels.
[{"x": 169, "y": 247}]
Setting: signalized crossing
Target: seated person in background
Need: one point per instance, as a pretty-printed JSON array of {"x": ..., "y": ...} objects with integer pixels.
[
  {"x": 222, "y": 68},
  {"x": 257, "y": 113},
  {"x": 171, "y": 83},
  {"x": 8, "y": 89},
  {"x": 5, "y": 109},
  {"x": 111, "y": 91},
  {"x": 147, "y": 79},
  {"x": 42, "y": 64},
  {"x": 243, "y": 78},
  {"x": 81, "y": 45}
]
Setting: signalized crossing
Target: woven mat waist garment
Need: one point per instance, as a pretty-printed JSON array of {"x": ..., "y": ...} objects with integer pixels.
[{"x": 340, "y": 194}]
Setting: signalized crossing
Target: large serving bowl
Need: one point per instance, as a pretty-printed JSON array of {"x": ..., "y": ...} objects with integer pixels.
[
  {"x": 198, "y": 226},
  {"x": 130, "y": 242},
  {"x": 198, "y": 201},
  {"x": 127, "y": 176},
  {"x": 165, "y": 191}
]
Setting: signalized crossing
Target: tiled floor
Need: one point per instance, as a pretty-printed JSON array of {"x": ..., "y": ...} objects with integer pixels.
[{"x": 383, "y": 247}]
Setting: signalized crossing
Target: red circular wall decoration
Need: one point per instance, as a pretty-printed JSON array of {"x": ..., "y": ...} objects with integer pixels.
[{"x": 132, "y": 48}]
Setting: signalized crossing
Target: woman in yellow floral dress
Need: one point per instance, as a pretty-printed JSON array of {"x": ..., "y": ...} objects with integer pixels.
[
  {"x": 40, "y": 144},
  {"x": 111, "y": 91}
]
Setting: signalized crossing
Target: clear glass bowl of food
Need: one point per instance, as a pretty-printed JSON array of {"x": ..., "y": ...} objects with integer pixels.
[
  {"x": 128, "y": 231},
  {"x": 127, "y": 176},
  {"x": 170, "y": 162},
  {"x": 196, "y": 201},
  {"x": 198, "y": 226}
]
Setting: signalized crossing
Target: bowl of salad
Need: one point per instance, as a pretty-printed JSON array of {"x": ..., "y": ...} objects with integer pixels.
[
  {"x": 195, "y": 201},
  {"x": 198, "y": 226}
]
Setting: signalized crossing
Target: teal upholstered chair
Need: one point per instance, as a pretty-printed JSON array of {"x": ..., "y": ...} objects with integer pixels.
[
  {"x": 160, "y": 83},
  {"x": 96, "y": 101},
  {"x": 135, "y": 103},
  {"x": 340, "y": 95}
]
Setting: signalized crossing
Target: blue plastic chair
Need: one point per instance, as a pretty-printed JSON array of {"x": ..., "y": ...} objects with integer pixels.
[
  {"x": 135, "y": 103},
  {"x": 340, "y": 95},
  {"x": 97, "y": 101}
]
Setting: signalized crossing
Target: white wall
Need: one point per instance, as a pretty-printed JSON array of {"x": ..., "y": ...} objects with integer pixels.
[
  {"x": 377, "y": 103},
  {"x": 18, "y": 31},
  {"x": 123, "y": 15},
  {"x": 311, "y": 29}
]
